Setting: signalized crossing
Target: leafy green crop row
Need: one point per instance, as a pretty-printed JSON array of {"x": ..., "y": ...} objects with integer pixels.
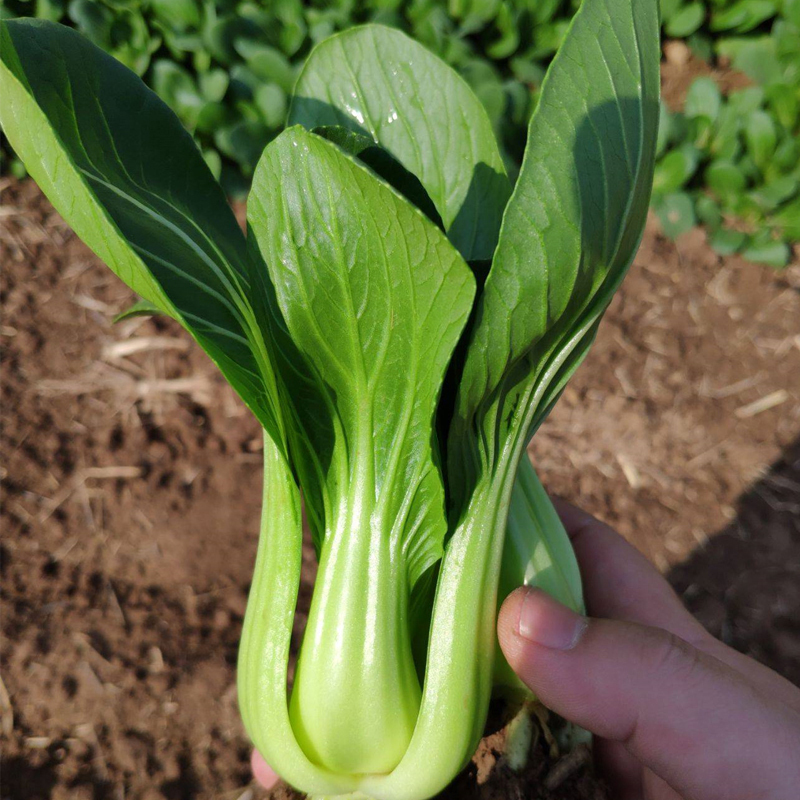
[
  {"x": 733, "y": 163},
  {"x": 227, "y": 68}
]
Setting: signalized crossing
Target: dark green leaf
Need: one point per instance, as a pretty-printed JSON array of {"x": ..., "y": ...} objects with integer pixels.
[
  {"x": 124, "y": 173},
  {"x": 569, "y": 231}
]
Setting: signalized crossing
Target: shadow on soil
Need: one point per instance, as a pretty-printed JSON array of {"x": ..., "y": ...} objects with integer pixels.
[{"x": 744, "y": 584}]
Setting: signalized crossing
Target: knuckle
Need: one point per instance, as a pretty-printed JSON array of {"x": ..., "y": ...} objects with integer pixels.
[{"x": 672, "y": 657}]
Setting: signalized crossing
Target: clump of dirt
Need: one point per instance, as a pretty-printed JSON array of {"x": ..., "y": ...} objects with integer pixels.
[{"x": 131, "y": 491}]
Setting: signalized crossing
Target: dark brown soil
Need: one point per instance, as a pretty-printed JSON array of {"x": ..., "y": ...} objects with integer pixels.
[{"x": 131, "y": 500}]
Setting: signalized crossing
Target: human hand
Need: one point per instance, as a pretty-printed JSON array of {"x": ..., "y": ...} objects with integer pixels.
[{"x": 676, "y": 713}]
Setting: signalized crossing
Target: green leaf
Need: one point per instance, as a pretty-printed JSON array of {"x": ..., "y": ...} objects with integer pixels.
[
  {"x": 724, "y": 177},
  {"x": 745, "y": 101},
  {"x": 271, "y": 102},
  {"x": 757, "y": 57},
  {"x": 686, "y": 21},
  {"x": 725, "y": 140},
  {"x": 93, "y": 20},
  {"x": 374, "y": 299},
  {"x": 124, "y": 173},
  {"x": 666, "y": 129},
  {"x": 176, "y": 87},
  {"x": 378, "y": 82},
  {"x": 787, "y": 220},
  {"x": 784, "y": 100},
  {"x": 787, "y": 154},
  {"x": 214, "y": 84},
  {"x": 761, "y": 137},
  {"x": 243, "y": 141},
  {"x": 675, "y": 213},
  {"x": 726, "y": 241},
  {"x": 383, "y": 165},
  {"x": 772, "y": 253},
  {"x": 775, "y": 192},
  {"x": 52, "y": 10},
  {"x": 571, "y": 227},
  {"x": 675, "y": 169},
  {"x": 708, "y": 211},
  {"x": 508, "y": 24},
  {"x": 267, "y": 63},
  {"x": 743, "y": 16},
  {"x": 179, "y": 15},
  {"x": 141, "y": 308},
  {"x": 703, "y": 99}
]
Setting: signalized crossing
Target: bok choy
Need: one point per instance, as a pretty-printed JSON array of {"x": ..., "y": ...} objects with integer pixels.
[{"x": 400, "y": 318}]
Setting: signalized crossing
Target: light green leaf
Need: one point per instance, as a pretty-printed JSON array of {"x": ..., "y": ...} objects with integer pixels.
[
  {"x": 686, "y": 21},
  {"x": 726, "y": 241},
  {"x": 676, "y": 213},
  {"x": 121, "y": 169},
  {"x": 775, "y": 192},
  {"x": 214, "y": 84},
  {"x": 176, "y": 87},
  {"x": 271, "y": 102},
  {"x": 179, "y": 15},
  {"x": 675, "y": 169},
  {"x": 756, "y": 56},
  {"x": 267, "y": 63},
  {"x": 141, "y": 308},
  {"x": 356, "y": 271},
  {"x": 708, "y": 211},
  {"x": 787, "y": 220},
  {"x": 374, "y": 299},
  {"x": 376, "y": 81},
  {"x": 743, "y": 16},
  {"x": 703, "y": 99},
  {"x": 772, "y": 253},
  {"x": 724, "y": 178}
]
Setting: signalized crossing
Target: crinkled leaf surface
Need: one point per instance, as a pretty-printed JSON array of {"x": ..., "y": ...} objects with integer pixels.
[
  {"x": 374, "y": 298},
  {"x": 570, "y": 230},
  {"x": 378, "y": 82},
  {"x": 120, "y": 168}
]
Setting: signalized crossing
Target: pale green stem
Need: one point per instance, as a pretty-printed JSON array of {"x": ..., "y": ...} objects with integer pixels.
[
  {"x": 458, "y": 674},
  {"x": 266, "y": 636}
]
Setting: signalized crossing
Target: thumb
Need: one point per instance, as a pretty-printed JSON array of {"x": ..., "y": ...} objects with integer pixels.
[{"x": 690, "y": 718}]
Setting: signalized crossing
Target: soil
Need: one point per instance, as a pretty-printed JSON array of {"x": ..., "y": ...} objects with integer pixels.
[{"x": 131, "y": 499}]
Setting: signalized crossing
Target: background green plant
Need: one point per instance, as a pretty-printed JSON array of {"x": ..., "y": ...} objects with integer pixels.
[{"x": 729, "y": 162}]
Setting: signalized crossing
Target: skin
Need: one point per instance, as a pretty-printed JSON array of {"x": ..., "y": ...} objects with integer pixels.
[{"x": 677, "y": 715}]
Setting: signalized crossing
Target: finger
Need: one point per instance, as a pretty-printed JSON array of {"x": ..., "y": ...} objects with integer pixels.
[
  {"x": 619, "y": 582},
  {"x": 687, "y": 716},
  {"x": 621, "y": 771},
  {"x": 262, "y": 771}
]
